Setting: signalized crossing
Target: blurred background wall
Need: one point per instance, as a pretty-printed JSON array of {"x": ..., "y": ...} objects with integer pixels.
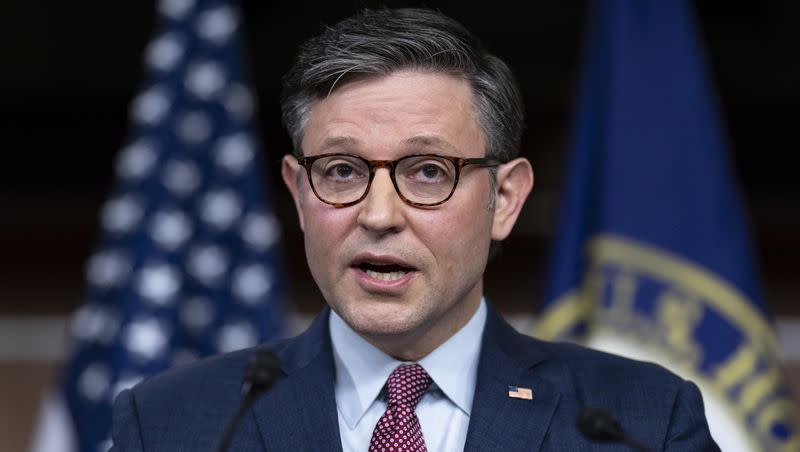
[{"x": 69, "y": 69}]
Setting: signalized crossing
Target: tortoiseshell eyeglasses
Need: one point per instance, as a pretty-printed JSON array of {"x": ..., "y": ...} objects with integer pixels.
[{"x": 421, "y": 180}]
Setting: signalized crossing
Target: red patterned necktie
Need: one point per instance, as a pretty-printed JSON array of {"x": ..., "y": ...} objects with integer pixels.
[{"x": 398, "y": 429}]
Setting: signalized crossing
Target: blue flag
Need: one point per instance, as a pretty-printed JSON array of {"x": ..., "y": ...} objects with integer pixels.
[
  {"x": 652, "y": 248},
  {"x": 187, "y": 265}
]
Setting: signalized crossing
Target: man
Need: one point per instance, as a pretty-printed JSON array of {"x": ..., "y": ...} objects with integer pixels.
[{"x": 406, "y": 133}]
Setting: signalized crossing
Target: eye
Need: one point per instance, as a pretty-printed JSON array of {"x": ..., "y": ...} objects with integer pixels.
[
  {"x": 431, "y": 171},
  {"x": 341, "y": 169},
  {"x": 427, "y": 170}
]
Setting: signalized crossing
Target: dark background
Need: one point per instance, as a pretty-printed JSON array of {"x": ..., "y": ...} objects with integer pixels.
[{"x": 69, "y": 69}]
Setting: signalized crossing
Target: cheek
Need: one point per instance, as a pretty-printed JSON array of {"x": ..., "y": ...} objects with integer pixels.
[
  {"x": 322, "y": 217},
  {"x": 459, "y": 237},
  {"x": 325, "y": 230}
]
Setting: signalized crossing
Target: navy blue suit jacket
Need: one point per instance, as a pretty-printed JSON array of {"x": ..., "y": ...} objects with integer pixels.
[{"x": 186, "y": 409}]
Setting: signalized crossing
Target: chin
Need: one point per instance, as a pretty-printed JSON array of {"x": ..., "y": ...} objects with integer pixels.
[{"x": 384, "y": 321}]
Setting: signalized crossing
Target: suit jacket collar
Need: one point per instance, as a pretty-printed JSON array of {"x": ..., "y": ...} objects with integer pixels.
[
  {"x": 499, "y": 422},
  {"x": 300, "y": 413}
]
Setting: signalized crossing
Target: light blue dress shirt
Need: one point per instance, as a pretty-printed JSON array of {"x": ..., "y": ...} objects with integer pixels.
[{"x": 443, "y": 411}]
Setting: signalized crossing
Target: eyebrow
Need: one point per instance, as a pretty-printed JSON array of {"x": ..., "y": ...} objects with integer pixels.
[
  {"x": 332, "y": 142},
  {"x": 428, "y": 140},
  {"x": 415, "y": 141}
]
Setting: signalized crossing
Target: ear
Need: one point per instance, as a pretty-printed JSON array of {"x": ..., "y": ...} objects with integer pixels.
[
  {"x": 514, "y": 183},
  {"x": 290, "y": 170}
]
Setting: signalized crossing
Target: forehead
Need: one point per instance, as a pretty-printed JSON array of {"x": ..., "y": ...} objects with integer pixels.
[{"x": 388, "y": 112}]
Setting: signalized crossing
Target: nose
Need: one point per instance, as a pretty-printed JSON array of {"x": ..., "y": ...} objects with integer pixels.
[{"x": 381, "y": 212}]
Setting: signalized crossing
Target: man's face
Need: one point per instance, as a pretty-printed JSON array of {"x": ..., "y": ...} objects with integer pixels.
[{"x": 396, "y": 273}]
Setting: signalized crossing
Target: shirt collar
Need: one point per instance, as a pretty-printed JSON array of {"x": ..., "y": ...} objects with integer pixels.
[{"x": 453, "y": 366}]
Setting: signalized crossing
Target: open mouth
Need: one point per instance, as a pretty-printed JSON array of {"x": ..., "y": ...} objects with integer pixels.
[
  {"x": 385, "y": 268},
  {"x": 384, "y": 272}
]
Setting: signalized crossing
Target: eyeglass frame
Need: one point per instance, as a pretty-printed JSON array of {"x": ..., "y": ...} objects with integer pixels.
[{"x": 458, "y": 162}]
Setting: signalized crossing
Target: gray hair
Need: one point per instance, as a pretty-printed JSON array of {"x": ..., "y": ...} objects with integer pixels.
[{"x": 382, "y": 41}]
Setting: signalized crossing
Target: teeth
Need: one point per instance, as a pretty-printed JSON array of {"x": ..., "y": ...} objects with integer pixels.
[{"x": 386, "y": 276}]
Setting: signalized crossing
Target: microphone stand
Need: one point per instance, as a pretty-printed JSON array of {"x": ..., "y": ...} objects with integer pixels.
[{"x": 262, "y": 372}]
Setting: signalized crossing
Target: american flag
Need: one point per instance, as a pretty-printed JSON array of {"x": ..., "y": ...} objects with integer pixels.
[
  {"x": 516, "y": 392},
  {"x": 187, "y": 264}
]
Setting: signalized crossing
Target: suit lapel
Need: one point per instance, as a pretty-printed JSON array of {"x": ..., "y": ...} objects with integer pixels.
[
  {"x": 300, "y": 413},
  {"x": 497, "y": 421}
]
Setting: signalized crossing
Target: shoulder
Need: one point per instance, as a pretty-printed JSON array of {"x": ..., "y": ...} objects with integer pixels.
[
  {"x": 582, "y": 374},
  {"x": 650, "y": 401},
  {"x": 607, "y": 368},
  {"x": 184, "y": 405},
  {"x": 591, "y": 377},
  {"x": 208, "y": 375},
  {"x": 599, "y": 378},
  {"x": 220, "y": 375},
  {"x": 571, "y": 363}
]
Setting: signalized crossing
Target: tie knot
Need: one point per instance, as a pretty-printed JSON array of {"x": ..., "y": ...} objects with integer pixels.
[{"x": 406, "y": 385}]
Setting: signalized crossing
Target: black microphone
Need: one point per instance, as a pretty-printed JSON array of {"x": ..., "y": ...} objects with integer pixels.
[
  {"x": 600, "y": 426},
  {"x": 262, "y": 372}
]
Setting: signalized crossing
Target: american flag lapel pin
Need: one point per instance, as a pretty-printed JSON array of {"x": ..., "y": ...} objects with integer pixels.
[{"x": 517, "y": 392}]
